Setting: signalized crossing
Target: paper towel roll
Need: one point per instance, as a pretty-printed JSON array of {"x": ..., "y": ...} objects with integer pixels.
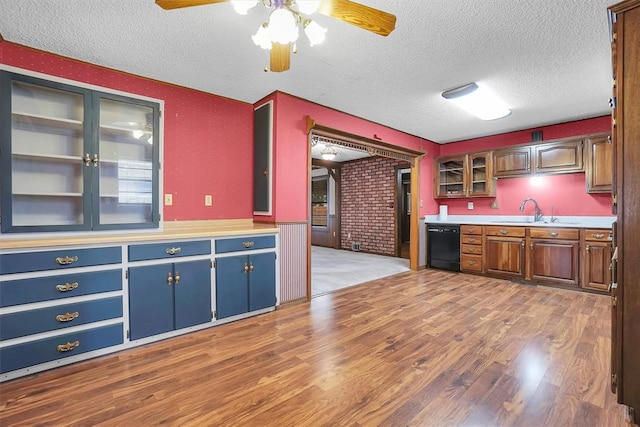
[{"x": 444, "y": 211}]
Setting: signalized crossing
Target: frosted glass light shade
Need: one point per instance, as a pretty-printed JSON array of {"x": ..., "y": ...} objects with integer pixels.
[
  {"x": 308, "y": 6},
  {"x": 283, "y": 27},
  {"x": 243, "y": 6},
  {"x": 262, "y": 37},
  {"x": 315, "y": 33}
]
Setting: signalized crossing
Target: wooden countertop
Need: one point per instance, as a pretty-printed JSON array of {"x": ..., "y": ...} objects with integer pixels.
[{"x": 171, "y": 230}]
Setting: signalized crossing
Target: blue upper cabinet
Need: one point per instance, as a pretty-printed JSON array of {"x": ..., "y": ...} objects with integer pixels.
[{"x": 76, "y": 159}]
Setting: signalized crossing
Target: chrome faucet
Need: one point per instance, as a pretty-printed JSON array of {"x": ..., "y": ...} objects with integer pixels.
[{"x": 537, "y": 213}]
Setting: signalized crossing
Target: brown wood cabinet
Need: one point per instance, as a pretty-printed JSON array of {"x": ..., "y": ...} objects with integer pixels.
[
  {"x": 553, "y": 157},
  {"x": 467, "y": 175},
  {"x": 554, "y": 255},
  {"x": 512, "y": 161},
  {"x": 504, "y": 249},
  {"x": 596, "y": 259},
  {"x": 471, "y": 248},
  {"x": 626, "y": 138},
  {"x": 599, "y": 164},
  {"x": 559, "y": 157}
]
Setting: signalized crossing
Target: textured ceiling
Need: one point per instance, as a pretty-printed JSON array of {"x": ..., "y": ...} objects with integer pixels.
[{"x": 548, "y": 59}]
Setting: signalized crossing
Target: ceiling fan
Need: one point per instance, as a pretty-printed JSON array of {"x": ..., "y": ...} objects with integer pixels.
[{"x": 288, "y": 15}]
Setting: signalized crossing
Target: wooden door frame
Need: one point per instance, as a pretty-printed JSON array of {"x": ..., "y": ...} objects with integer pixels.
[{"x": 374, "y": 147}]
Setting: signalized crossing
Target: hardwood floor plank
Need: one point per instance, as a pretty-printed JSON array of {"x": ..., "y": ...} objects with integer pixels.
[{"x": 420, "y": 348}]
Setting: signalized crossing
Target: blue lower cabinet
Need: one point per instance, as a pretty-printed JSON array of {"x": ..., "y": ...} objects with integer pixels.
[
  {"x": 232, "y": 286},
  {"x": 49, "y": 349},
  {"x": 245, "y": 283},
  {"x": 168, "y": 296},
  {"x": 262, "y": 281},
  {"x": 31, "y": 322}
]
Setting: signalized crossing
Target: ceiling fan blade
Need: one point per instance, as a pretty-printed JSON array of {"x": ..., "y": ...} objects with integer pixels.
[
  {"x": 177, "y": 4},
  {"x": 280, "y": 57},
  {"x": 362, "y": 16}
]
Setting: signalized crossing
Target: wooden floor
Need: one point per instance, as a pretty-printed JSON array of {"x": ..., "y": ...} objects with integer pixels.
[{"x": 427, "y": 348}]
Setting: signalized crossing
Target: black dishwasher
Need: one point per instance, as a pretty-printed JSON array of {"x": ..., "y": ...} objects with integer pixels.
[{"x": 443, "y": 246}]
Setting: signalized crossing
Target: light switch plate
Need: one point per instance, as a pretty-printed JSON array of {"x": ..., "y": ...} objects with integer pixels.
[
  {"x": 168, "y": 199},
  {"x": 208, "y": 200}
]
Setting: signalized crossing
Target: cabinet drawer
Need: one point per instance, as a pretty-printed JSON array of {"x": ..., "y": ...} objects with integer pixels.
[
  {"x": 471, "y": 229},
  {"x": 498, "y": 230},
  {"x": 63, "y": 316},
  {"x": 48, "y": 349},
  {"x": 555, "y": 233},
  {"x": 58, "y": 259},
  {"x": 245, "y": 244},
  {"x": 169, "y": 250},
  {"x": 471, "y": 262},
  {"x": 472, "y": 249},
  {"x": 471, "y": 240},
  {"x": 24, "y": 291},
  {"x": 598, "y": 234}
]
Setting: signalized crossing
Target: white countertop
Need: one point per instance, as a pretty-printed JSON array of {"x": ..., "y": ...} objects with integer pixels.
[{"x": 563, "y": 221}]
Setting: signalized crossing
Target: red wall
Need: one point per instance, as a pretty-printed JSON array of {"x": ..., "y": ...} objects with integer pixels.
[
  {"x": 566, "y": 193},
  {"x": 291, "y": 151},
  {"x": 208, "y": 140}
]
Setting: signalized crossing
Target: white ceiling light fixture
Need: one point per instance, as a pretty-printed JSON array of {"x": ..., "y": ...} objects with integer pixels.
[
  {"x": 285, "y": 19},
  {"x": 328, "y": 152},
  {"x": 478, "y": 101}
]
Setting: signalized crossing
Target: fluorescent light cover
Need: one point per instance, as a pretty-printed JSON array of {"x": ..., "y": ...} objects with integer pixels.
[{"x": 478, "y": 101}]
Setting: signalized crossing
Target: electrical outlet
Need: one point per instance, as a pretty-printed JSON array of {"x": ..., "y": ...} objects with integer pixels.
[
  {"x": 470, "y": 205},
  {"x": 495, "y": 204},
  {"x": 348, "y": 235},
  {"x": 168, "y": 199},
  {"x": 208, "y": 200}
]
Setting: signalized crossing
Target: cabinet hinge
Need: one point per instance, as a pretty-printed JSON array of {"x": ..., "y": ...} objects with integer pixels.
[
  {"x": 214, "y": 313},
  {"x": 126, "y": 274},
  {"x": 128, "y": 333},
  {"x": 159, "y": 113},
  {"x": 614, "y": 301},
  {"x": 614, "y": 199},
  {"x": 159, "y": 165},
  {"x": 614, "y": 381},
  {"x": 213, "y": 264}
]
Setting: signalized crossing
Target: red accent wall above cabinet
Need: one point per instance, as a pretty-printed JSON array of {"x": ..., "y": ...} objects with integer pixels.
[{"x": 208, "y": 145}]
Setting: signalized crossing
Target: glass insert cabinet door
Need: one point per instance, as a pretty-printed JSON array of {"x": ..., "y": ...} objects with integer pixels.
[{"x": 54, "y": 176}]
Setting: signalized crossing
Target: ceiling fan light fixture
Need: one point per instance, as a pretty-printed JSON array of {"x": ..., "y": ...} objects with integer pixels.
[
  {"x": 308, "y": 7},
  {"x": 478, "y": 100},
  {"x": 262, "y": 37},
  {"x": 315, "y": 33},
  {"x": 243, "y": 6},
  {"x": 283, "y": 27},
  {"x": 328, "y": 152}
]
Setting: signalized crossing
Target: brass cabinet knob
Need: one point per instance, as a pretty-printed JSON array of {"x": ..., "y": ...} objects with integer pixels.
[{"x": 169, "y": 279}]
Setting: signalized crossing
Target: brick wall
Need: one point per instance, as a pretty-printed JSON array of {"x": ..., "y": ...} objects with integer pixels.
[{"x": 368, "y": 204}]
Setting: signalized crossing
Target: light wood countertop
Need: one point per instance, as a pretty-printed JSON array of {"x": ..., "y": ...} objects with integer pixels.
[{"x": 171, "y": 230}]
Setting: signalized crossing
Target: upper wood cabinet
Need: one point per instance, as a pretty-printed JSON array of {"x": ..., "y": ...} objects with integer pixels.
[
  {"x": 468, "y": 175},
  {"x": 512, "y": 161},
  {"x": 564, "y": 156},
  {"x": 558, "y": 157},
  {"x": 599, "y": 164}
]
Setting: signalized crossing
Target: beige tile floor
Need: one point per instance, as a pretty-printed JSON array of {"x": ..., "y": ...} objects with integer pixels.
[{"x": 333, "y": 269}]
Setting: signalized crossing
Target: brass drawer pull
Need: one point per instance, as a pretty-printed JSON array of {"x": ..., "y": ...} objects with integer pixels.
[
  {"x": 471, "y": 262},
  {"x": 68, "y": 317},
  {"x": 553, "y": 234},
  {"x": 248, "y": 244},
  {"x": 68, "y": 346},
  {"x": 67, "y": 287},
  {"x": 471, "y": 230},
  {"x": 66, "y": 260},
  {"x": 173, "y": 251},
  {"x": 471, "y": 240},
  {"x": 504, "y": 232},
  {"x": 472, "y": 250},
  {"x": 597, "y": 235}
]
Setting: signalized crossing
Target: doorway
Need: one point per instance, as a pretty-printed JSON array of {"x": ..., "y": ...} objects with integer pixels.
[{"x": 403, "y": 212}]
